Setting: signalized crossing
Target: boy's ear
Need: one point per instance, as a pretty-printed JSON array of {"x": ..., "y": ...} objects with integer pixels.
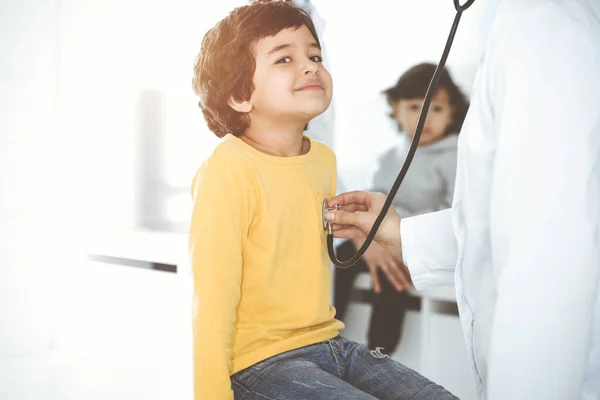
[{"x": 242, "y": 106}]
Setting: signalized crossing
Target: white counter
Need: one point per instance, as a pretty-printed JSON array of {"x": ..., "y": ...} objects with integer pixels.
[{"x": 147, "y": 246}]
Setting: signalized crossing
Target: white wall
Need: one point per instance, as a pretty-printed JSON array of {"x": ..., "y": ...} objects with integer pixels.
[
  {"x": 112, "y": 52},
  {"x": 28, "y": 132}
]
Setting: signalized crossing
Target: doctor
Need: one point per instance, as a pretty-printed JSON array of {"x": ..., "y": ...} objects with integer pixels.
[{"x": 521, "y": 242}]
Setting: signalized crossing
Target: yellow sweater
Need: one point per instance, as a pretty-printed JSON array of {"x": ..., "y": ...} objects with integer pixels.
[{"x": 259, "y": 259}]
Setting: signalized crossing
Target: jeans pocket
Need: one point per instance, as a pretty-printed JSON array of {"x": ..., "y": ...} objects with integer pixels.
[
  {"x": 251, "y": 373},
  {"x": 248, "y": 374}
]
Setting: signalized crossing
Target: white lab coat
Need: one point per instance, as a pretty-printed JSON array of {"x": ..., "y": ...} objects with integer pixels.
[{"x": 522, "y": 240}]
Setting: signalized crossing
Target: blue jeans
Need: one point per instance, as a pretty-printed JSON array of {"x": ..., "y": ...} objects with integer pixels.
[{"x": 332, "y": 370}]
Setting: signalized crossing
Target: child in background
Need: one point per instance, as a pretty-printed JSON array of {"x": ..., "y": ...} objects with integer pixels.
[
  {"x": 428, "y": 186},
  {"x": 263, "y": 324}
]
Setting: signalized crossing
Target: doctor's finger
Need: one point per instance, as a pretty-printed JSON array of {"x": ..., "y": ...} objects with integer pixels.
[
  {"x": 354, "y": 207},
  {"x": 342, "y": 217},
  {"x": 402, "y": 277},
  {"x": 375, "y": 279},
  {"x": 390, "y": 271},
  {"x": 347, "y": 232},
  {"x": 362, "y": 220},
  {"x": 338, "y": 227},
  {"x": 354, "y": 197}
]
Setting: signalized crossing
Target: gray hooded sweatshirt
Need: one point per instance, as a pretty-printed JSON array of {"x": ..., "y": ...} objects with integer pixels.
[{"x": 429, "y": 183}]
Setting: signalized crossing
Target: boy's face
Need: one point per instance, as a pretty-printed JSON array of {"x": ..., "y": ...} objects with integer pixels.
[
  {"x": 406, "y": 113},
  {"x": 290, "y": 82}
]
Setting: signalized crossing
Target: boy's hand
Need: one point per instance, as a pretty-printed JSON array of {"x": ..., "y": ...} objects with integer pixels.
[
  {"x": 357, "y": 214},
  {"x": 377, "y": 257}
]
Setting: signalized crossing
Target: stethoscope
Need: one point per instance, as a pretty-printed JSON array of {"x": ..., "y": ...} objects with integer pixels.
[{"x": 409, "y": 157}]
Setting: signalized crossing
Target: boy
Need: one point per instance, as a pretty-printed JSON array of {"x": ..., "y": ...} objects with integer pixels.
[{"x": 263, "y": 324}]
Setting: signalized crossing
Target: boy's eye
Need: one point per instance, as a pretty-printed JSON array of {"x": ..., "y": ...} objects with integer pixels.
[
  {"x": 414, "y": 107},
  {"x": 437, "y": 108},
  {"x": 317, "y": 59},
  {"x": 283, "y": 60}
]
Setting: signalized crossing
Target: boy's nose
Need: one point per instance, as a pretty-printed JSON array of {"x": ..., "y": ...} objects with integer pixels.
[{"x": 310, "y": 68}]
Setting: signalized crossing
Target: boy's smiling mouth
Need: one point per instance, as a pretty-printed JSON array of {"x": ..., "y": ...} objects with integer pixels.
[{"x": 310, "y": 85}]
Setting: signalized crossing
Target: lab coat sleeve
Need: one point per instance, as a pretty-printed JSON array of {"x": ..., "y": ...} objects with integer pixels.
[
  {"x": 545, "y": 202},
  {"x": 429, "y": 248},
  {"x": 223, "y": 204}
]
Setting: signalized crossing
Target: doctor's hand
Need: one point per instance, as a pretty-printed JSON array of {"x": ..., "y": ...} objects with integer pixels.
[
  {"x": 357, "y": 214},
  {"x": 379, "y": 258}
]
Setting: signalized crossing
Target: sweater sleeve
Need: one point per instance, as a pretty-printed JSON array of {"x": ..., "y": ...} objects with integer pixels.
[
  {"x": 223, "y": 205},
  {"x": 447, "y": 172},
  {"x": 381, "y": 176}
]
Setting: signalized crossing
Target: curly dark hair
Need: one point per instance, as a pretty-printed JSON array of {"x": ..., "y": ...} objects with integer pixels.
[
  {"x": 225, "y": 65},
  {"x": 413, "y": 84}
]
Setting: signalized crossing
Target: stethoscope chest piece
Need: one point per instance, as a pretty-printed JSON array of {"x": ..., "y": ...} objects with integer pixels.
[{"x": 327, "y": 224}]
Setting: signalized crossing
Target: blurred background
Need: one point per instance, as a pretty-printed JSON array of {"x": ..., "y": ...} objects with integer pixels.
[{"x": 100, "y": 135}]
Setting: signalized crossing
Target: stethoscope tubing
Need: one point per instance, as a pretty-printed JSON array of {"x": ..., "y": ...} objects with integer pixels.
[{"x": 411, "y": 152}]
